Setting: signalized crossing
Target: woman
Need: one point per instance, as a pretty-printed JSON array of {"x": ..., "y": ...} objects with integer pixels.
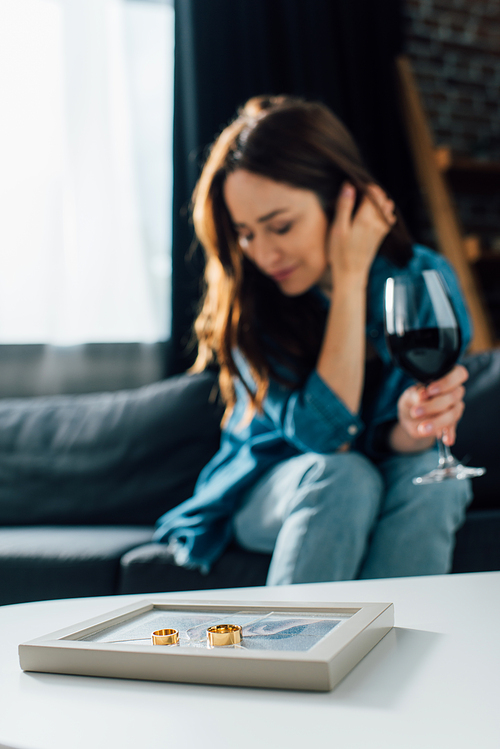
[{"x": 321, "y": 434}]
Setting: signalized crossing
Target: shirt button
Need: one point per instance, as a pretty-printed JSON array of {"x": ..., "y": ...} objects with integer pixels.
[
  {"x": 352, "y": 429},
  {"x": 373, "y": 333}
]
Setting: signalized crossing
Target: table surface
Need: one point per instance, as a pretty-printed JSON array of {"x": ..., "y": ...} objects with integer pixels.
[{"x": 432, "y": 683}]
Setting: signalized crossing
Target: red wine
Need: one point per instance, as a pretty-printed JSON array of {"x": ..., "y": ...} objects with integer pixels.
[{"x": 426, "y": 354}]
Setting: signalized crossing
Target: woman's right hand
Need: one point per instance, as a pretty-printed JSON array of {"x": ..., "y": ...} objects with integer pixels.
[{"x": 354, "y": 241}]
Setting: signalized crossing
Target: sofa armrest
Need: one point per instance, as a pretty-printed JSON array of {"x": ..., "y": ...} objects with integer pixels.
[{"x": 477, "y": 435}]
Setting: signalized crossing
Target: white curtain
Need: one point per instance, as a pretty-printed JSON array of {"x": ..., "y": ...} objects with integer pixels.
[{"x": 84, "y": 177}]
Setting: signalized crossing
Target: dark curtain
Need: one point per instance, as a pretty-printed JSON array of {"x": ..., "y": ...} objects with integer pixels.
[{"x": 338, "y": 51}]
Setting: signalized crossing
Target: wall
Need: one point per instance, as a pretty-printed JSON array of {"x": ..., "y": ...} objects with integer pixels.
[{"x": 454, "y": 47}]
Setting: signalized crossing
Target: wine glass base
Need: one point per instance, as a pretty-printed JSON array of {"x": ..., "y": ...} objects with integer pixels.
[{"x": 445, "y": 473}]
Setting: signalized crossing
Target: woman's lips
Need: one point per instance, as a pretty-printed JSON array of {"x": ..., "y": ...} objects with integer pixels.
[{"x": 282, "y": 274}]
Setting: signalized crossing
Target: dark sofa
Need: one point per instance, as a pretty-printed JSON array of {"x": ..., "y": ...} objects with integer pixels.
[{"x": 83, "y": 479}]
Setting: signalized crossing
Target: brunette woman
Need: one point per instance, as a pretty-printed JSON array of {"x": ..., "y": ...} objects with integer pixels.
[{"x": 321, "y": 434}]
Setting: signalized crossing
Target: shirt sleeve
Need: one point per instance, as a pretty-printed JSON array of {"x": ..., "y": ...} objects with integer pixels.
[{"x": 312, "y": 418}]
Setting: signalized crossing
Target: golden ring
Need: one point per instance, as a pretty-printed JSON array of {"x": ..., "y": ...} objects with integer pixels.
[
  {"x": 224, "y": 634},
  {"x": 165, "y": 637}
]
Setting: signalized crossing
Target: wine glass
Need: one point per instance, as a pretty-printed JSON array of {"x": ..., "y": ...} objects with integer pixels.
[{"x": 423, "y": 337}]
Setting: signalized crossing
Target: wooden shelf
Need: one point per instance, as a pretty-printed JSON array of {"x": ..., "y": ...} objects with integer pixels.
[
  {"x": 468, "y": 174},
  {"x": 446, "y": 160},
  {"x": 431, "y": 166}
]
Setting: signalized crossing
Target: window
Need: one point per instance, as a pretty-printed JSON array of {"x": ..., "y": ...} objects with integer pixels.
[{"x": 85, "y": 186}]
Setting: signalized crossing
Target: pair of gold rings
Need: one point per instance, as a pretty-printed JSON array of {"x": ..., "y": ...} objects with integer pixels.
[{"x": 220, "y": 634}]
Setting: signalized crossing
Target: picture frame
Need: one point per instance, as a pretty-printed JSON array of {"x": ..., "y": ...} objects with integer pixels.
[{"x": 306, "y": 646}]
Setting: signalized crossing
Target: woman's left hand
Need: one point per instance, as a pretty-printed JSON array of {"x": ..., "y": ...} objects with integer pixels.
[
  {"x": 354, "y": 240},
  {"x": 425, "y": 413}
]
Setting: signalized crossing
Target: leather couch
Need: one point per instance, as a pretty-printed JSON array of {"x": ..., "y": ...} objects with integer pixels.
[{"x": 83, "y": 479}]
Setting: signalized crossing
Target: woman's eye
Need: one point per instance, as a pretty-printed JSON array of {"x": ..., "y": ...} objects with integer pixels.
[{"x": 283, "y": 229}]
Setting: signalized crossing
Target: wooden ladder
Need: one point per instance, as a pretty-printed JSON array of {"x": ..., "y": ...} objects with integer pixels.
[{"x": 430, "y": 163}]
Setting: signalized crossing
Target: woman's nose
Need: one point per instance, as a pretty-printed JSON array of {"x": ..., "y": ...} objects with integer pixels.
[{"x": 265, "y": 252}]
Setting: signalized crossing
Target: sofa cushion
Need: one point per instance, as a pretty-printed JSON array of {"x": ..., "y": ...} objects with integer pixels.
[
  {"x": 119, "y": 458},
  {"x": 38, "y": 563},
  {"x": 150, "y": 569}
]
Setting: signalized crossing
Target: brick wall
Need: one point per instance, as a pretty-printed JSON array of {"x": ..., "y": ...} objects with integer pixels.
[{"x": 454, "y": 48}]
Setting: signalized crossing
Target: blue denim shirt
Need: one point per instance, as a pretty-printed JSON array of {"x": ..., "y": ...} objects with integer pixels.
[{"x": 311, "y": 418}]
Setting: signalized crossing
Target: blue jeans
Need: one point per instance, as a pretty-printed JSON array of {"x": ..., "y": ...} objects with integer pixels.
[{"x": 340, "y": 517}]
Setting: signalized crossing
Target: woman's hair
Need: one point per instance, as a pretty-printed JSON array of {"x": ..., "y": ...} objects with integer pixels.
[{"x": 302, "y": 144}]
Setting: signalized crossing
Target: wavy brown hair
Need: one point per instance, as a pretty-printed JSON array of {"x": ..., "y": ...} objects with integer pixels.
[{"x": 302, "y": 144}]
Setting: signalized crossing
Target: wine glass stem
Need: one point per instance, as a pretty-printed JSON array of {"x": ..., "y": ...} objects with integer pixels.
[{"x": 445, "y": 456}]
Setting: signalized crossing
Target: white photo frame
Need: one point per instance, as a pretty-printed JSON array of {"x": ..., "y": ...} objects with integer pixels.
[{"x": 309, "y": 646}]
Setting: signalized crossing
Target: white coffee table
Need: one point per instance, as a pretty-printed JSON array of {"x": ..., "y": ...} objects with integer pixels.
[{"x": 432, "y": 683}]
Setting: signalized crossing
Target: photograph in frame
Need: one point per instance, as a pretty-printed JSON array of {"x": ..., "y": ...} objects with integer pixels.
[{"x": 281, "y": 645}]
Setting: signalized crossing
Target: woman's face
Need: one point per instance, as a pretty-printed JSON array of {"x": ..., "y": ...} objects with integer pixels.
[{"x": 282, "y": 229}]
